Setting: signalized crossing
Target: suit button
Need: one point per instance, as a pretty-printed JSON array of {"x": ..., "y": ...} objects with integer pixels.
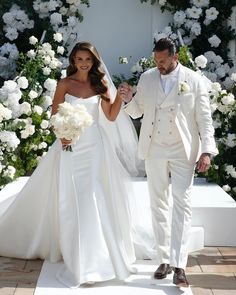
[
  {"x": 171, "y": 121},
  {"x": 159, "y": 120},
  {"x": 152, "y": 123},
  {"x": 150, "y": 136},
  {"x": 170, "y": 132},
  {"x": 158, "y": 132}
]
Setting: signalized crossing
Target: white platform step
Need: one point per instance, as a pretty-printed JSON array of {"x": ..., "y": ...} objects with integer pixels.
[{"x": 213, "y": 210}]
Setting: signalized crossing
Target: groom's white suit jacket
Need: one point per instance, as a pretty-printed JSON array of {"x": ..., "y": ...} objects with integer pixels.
[{"x": 192, "y": 116}]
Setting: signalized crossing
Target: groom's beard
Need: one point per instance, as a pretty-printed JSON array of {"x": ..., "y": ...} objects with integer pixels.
[{"x": 167, "y": 71}]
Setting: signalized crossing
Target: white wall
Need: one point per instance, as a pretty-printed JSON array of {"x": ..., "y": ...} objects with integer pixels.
[{"x": 121, "y": 28}]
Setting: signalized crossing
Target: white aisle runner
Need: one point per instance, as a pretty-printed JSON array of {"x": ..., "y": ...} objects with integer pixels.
[{"x": 141, "y": 283}]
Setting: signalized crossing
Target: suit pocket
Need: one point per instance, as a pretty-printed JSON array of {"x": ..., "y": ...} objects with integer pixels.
[{"x": 187, "y": 101}]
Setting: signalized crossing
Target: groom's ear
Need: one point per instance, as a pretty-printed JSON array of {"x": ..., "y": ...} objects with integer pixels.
[{"x": 176, "y": 57}]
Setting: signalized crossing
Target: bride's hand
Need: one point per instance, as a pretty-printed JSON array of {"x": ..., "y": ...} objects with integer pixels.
[
  {"x": 65, "y": 143},
  {"x": 125, "y": 91}
]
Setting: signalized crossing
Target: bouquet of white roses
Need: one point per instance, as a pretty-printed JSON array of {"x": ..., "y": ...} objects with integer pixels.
[{"x": 70, "y": 121}]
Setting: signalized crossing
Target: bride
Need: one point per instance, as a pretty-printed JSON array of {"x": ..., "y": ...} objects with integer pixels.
[{"x": 75, "y": 205}]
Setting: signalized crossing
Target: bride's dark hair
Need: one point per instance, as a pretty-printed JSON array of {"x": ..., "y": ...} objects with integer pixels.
[{"x": 96, "y": 73}]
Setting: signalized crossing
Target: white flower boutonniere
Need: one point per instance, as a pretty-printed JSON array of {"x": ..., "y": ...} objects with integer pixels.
[{"x": 183, "y": 87}]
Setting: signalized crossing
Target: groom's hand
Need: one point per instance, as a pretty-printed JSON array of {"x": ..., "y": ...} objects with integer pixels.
[
  {"x": 125, "y": 91},
  {"x": 204, "y": 162}
]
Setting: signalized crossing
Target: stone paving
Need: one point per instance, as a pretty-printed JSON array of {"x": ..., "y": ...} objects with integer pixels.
[{"x": 211, "y": 271}]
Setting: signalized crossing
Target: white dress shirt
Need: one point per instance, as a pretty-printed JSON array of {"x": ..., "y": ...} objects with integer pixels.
[{"x": 168, "y": 81}]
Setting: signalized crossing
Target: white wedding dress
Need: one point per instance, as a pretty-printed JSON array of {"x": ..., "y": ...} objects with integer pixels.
[{"x": 74, "y": 207}]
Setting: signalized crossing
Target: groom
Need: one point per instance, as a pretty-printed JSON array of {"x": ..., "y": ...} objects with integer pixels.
[{"x": 176, "y": 126}]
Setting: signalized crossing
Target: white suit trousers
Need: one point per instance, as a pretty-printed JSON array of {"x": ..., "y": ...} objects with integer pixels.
[{"x": 171, "y": 235}]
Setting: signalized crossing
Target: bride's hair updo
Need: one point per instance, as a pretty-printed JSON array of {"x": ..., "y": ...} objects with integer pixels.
[{"x": 96, "y": 73}]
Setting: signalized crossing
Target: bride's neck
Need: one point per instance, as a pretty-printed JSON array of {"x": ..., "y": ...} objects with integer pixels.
[{"x": 82, "y": 78}]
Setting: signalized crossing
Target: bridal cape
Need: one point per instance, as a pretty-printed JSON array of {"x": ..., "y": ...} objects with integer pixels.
[{"x": 75, "y": 207}]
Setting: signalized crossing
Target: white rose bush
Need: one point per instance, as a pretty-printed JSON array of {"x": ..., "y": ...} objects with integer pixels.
[
  {"x": 25, "y": 133},
  {"x": 20, "y": 20}
]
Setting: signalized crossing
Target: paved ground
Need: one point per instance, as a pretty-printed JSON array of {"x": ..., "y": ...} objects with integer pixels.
[{"x": 211, "y": 271}]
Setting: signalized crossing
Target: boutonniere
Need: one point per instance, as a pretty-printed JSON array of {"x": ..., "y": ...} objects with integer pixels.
[{"x": 183, "y": 87}]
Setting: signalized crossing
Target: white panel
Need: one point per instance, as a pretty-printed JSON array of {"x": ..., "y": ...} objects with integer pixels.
[{"x": 121, "y": 28}]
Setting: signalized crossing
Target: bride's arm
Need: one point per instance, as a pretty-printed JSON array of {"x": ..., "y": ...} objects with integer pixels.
[
  {"x": 111, "y": 110},
  {"x": 59, "y": 96}
]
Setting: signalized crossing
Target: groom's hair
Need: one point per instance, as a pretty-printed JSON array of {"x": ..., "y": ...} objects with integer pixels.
[{"x": 165, "y": 43}]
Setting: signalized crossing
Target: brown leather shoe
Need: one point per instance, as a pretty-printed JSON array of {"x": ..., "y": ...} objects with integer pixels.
[
  {"x": 179, "y": 278},
  {"x": 163, "y": 270}
]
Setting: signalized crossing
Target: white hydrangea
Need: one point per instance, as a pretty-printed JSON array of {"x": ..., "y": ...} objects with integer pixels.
[
  {"x": 220, "y": 71},
  {"x": 16, "y": 20},
  {"x": 180, "y": 17},
  {"x": 214, "y": 41},
  {"x": 201, "y": 3},
  {"x": 158, "y": 36},
  {"x": 194, "y": 12},
  {"x": 196, "y": 28},
  {"x": 212, "y": 13}
]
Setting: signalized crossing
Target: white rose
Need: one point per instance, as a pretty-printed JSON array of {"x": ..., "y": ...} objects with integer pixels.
[
  {"x": 228, "y": 99},
  {"x": 44, "y": 124},
  {"x": 46, "y": 71},
  {"x": 216, "y": 86},
  {"x": 201, "y": 61},
  {"x": 33, "y": 40},
  {"x": 50, "y": 84},
  {"x": 233, "y": 77},
  {"x": 23, "y": 82},
  {"x": 226, "y": 188},
  {"x": 184, "y": 87},
  {"x": 25, "y": 108},
  {"x": 37, "y": 109},
  {"x": 57, "y": 37},
  {"x": 60, "y": 49},
  {"x": 33, "y": 94},
  {"x": 31, "y": 53}
]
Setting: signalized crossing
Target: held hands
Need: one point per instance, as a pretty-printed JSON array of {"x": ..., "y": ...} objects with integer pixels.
[
  {"x": 125, "y": 91},
  {"x": 204, "y": 162}
]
